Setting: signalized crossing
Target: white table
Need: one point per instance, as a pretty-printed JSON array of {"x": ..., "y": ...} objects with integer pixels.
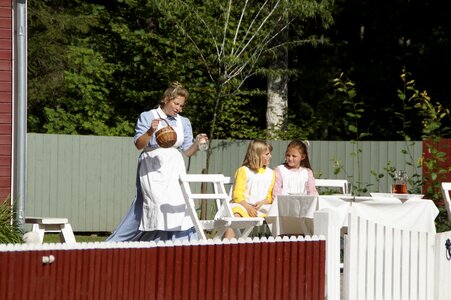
[{"x": 293, "y": 214}]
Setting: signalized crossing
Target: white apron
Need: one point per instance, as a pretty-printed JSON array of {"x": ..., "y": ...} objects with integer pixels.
[
  {"x": 163, "y": 203},
  {"x": 256, "y": 189},
  {"x": 294, "y": 182}
]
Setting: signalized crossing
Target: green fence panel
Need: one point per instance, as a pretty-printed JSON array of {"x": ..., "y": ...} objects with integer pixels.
[{"x": 91, "y": 179}]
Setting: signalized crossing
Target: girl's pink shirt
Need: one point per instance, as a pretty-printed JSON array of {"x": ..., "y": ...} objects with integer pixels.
[{"x": 277, "y": 190}]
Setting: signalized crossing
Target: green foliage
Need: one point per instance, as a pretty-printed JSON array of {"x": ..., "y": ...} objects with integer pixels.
[
  {"x": 354, "y": 108},
  {"x": 94, "y": 66},
  {"x": 86, "y": 109},
  {"x": 231, "y": 41},
  {"x": 417, "y": 106},
  {"x": 8, "y": 232},
  {"x": 433, "y": 117},
  {"x": 354, "y": 112},
  {"x": 52, "y": 27},
  {"x": 441, "y": 222},
  {"x": 143, "y": 45}
]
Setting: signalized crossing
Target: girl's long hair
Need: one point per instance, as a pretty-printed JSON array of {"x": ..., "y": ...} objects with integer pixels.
[
  {"x": 253, "y": 158},
  {"x": 302, "y": 148}
]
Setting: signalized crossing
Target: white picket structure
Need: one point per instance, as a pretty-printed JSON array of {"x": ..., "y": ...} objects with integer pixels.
[
  {"x": 326, "y": 224},
  {"x": 386, "y": 263},
  {"x": 443, "y": 266}
]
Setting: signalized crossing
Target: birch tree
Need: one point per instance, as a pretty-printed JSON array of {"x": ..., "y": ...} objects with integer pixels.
[
  {"x": 233, "y": 40},
  {"x": 277, "y": 93}
]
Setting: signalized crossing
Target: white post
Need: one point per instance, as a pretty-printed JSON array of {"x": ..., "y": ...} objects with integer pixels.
[{"x": 325, "y": 223}]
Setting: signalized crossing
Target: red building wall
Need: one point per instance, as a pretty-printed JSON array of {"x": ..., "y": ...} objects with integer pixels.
[
  {"x": 444, "y": 145},
  {"x": 6, "y": 34}
]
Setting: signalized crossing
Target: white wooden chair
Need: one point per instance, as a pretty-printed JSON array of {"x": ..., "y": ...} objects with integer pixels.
[
  {"x": 341, "y": 184},
  {"x": 242, "y": 226},
  {"x": 446, "y": 188}
]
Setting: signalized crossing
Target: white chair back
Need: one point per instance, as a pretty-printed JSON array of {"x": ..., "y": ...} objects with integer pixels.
[
  {"x": 341, "y": 184},
  {"x": 228, "y": 182},
  {"x": 224, "y": 219},
  {"x": 446, "y": 188}
]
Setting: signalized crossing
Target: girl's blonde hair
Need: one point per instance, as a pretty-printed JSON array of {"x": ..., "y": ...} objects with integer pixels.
[
  {"x": 255, "y": 150},
  {"x": 174, "y": 90}
]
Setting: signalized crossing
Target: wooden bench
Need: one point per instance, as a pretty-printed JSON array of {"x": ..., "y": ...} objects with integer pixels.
[{"x": 42, "y": 225}]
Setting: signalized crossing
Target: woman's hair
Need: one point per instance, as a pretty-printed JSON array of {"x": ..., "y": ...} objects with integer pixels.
[
  {"x": 174, "y": 90},
  {"x": 302, "y": 148},
  {"x": 255, "y": 150}
]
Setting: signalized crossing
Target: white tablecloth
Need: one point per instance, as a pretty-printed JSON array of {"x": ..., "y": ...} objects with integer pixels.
[
  {"x": 413, "y": 214},
  {"x": 294, "y": 214}
]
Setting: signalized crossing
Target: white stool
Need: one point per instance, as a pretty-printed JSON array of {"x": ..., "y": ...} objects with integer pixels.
[{"x": 41, "y": 225}]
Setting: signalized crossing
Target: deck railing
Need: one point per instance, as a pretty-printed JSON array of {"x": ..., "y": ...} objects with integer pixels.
[{"x": 381, "y": 262}]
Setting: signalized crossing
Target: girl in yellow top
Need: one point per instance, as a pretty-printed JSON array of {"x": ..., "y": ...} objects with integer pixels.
[{"x": 254, "y": 181}]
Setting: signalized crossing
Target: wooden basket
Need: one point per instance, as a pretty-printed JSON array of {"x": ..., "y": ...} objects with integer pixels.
[{"x": 166, "y": 136}]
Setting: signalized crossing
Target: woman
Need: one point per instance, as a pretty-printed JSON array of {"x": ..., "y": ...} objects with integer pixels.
[{"x": 158, "y": 211}]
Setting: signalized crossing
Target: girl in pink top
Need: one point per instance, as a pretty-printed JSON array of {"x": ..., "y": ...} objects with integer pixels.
[{"x": 295, "y": 176}]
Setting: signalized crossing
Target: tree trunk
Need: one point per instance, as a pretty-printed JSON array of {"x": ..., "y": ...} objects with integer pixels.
[
  {"x": 277, "y": 95},
  {"x": 203, "y": 203}
]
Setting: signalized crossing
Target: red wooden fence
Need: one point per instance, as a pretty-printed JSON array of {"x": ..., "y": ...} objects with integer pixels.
[{"x": 261, "y": 269}]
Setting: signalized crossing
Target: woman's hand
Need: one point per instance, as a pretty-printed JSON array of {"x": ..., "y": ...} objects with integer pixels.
[
  {"x": 153, "y": 126},
  {"x": 201, "y": 137},
  {"x": 195, "y": 146},
  {"x": 144, "y": 139}
]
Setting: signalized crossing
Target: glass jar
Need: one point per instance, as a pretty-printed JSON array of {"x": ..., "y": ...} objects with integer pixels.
[{"x": 400, "y": 182}]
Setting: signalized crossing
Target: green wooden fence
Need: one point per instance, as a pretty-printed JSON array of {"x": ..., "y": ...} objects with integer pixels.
[{"x": 91, "y": 179}]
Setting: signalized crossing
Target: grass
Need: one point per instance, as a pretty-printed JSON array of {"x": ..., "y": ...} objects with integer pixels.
[{"x": 80, "y": 238}]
